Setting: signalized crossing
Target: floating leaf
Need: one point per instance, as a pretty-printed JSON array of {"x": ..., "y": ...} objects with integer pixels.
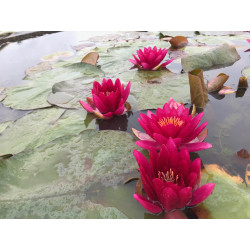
[
  {"x": 2, "y": 95},
  {"x": 246, "y": 72},
  {"x": 178, "y": 42},
  {"x": 55, "y": 56},
  {"x": 43, "y": 66},
  {"x": 222, "y": 56},
  {"x": 91, "y": 58},
  {"x": 230, "y": 198},
  {"x": 58, "y": 167},
  {"x": 61, "y": 207},
  {"x": 226, "y": 90},
  {"x": 198, "y": 91},
  {"x": 217, "y": 82},
  {"x": 243, "y": 153},
  {"x": 34, "y": 94},
  {"x": 53, "y": 123},
  {"x": 4, "y": 125}
]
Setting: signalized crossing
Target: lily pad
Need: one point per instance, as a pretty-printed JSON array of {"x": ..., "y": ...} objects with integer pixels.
[
  {"x": 68, "y": 164},
  {"x": 246, "y": 72},
  {"x": 152, "y": 89},
  {"x": 4, "y": 125},
  {"x": 220, "y": 56},
  {"x": 34, "y": 94},
  {"x": 230, "y": 198},
  {"x": 55, "y": 56},
  {"x": 43, "y": 66},
  {"x": 40, "y": 127},
  {"x": 62, "y": 207}
]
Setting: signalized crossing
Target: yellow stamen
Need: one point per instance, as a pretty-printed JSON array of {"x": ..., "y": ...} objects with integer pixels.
[{"x": 170, "y": 120}]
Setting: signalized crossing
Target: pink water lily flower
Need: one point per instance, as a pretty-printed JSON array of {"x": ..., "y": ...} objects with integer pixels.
[
  {"x": 173, "y": 121},
  {"x": 150, "y": 59},
  {"x": 170, "y": 180},
  {"x": 107, "y": 99},
  {"x": 248, "y": 40}
]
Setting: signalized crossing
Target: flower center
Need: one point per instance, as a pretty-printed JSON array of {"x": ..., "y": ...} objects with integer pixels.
[
  {"x": 168, "y": 177},
  {"x": 107, "y": 93},
  {"x": 170, "y": 120}
]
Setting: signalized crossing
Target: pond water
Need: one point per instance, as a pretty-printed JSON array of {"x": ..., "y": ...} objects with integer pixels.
[{"x": 62, "y": 167}]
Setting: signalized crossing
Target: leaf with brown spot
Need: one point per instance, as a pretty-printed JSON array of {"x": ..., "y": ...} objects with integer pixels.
[
  {"x": 178, "y": 42},
  {"x": 91, "y": 58},
  {"x": 198, "y": 90},
  {"x": 217, "y": 82}
]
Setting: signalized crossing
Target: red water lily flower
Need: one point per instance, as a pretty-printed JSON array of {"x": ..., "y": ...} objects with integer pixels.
[
  {"x": 248, "y": 40},
  {"x": 173, "y": 121},
  {"x": 170, "y": 180},
  {"x": 107, "y": 99},
  {"x": 150, "y": 59}
]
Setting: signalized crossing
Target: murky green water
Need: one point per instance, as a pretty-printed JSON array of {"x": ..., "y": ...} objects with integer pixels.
[{"x": 66, "y": 169}]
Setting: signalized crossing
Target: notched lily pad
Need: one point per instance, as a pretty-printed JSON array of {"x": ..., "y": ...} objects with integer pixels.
[{"x": 40, "y": 127}]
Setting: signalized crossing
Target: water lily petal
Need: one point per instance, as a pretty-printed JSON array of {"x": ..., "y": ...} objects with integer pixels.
[
  {"x": 86, "y": 106},
  {"x": 99, "y": 104},
  {"x": 141, "y": 135},
  {"x": 167, "y": 62},
  {"x": 201, "y": 194},
  {"x": 148, "y": 144},
  {"x": 126, "y": 92},
  {"x": 184, "y": 196},
  {"x": 148, "y": 205},
  {"x": 145, "y": 65},
  {"x": 197, "y": 146},
  {"x": 133, "y": 61},
  {"x": 168, "y": 198}
]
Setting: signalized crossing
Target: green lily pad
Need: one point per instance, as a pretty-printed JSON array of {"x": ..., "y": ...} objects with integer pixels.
[
  {"x": 230, "y": 198},
  {"x": 40, "y": 127},
  {"x": 4, "y": 125},
  {"x": 220, "y": 56},
  {"x": 43, "y": 66},
  {"x": 55, "y": 56},
  {"x": 246, "y": 72},
  {"x": 34, "y": 94},
  {"x": 68, "y": 164},
  {"x": 62, "y": 207},
  {"x": 67, "y": 94},
  {"x": 152, "y": 89}
]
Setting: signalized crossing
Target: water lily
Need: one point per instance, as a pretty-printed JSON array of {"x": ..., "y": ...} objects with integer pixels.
[
  {"x": 107, "y": 99},
  {"x": 173, "y": 121},
  {"x": 170, "y": 180},
  {"x": 150, "y": 59}
]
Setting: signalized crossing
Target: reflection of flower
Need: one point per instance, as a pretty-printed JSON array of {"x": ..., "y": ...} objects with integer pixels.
[
  {"x": 150, "y": 59},
  {"x": 108, "y": 99},
  {"x": 170, "y": 180},
  {"x": 173, "y": 121}
]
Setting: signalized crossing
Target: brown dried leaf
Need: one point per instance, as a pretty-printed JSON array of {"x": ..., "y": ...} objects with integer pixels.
[
  {"x": 130, "y": 179},
  {"x": 198, "y": 90},
  {"x": 178, "y": 42},
  {"x": 91, "y": 58},
  {"x": 138, "y": 187},
  {"x": 243, "y": 82},
  {"x": 243, "y": 153},
  {"x": 217, "y": 82}
]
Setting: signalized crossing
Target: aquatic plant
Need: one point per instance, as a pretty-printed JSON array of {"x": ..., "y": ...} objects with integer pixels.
[
  {"x": 107, "y": 99},
  {"x": 173, "y": 121},
  {"x": 170, "y": 180},
  {"x": 150, "y": 59},
  {"x": 248, "y": 40}
]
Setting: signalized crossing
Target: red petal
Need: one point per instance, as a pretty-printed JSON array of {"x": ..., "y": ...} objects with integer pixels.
[
  {"x": 185, "y": 195},
  {"x": 148, "y": 205},
  {"x": 86, "y": 106},
  {"x": 201, "y": 194},
  {"x": 141, "y": 135},
  {"x": 148, "y": 144},
  {"x": 196, "y": 146},
  {"x": 166, "y": 63},
  {"x": 168, "y": 198},
  {"x": 99, "y": 104}
]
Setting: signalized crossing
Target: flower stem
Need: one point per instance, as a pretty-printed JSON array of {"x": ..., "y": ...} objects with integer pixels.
[{"x": 177, "y": 214}]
